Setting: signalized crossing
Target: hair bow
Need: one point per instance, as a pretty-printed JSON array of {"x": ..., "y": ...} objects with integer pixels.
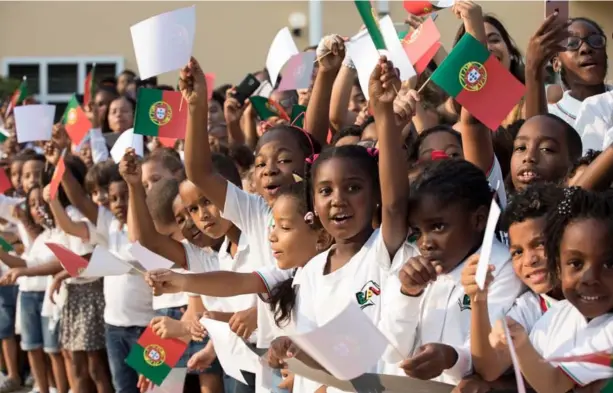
[
  {"x": 311, "y": 160},
  {"x": 373, "y": 151},
  {"x": 438, "y": 155}
]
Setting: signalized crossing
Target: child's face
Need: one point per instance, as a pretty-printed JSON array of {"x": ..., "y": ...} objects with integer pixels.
[
  {"x": 171, "y": 230},
  {"x": 586, "y": 65},
  {"x": 118, "y": 200},
  {"x": 292, "y": 241},
  {"x": 121, "y": 115},
  {"x": 123, "y": 81},
  {"x": 343, "y": 198},
  {"x": 100, "y": 196},
  {"x": 586, "y": 267},
  {"x": 31, "y": 174},
  {"x": 446, "y": 233},
  {"x": 153, "y": 172},
  {"x": 440, "y": 141},
  {"x": 205, "y": 215},
  {"x": 85, "y": 154},
  {"x": 16, "y": 168},
  {"x": 37, "y": 205},
  {"x": 189, "y": 231},
  {"x": 216, "y": 115},
  {"x": 540, "y": 153},
  {"x": 101, "y": 103},
  {"x": 527, "y": 246},
  {"x": 275, "y": 164}
]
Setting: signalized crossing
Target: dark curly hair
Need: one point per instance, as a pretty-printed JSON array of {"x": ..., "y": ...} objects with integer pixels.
[{"x": 535, "y": 201}]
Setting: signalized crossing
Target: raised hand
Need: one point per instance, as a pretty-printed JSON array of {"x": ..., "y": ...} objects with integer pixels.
[
  {"x": 469, "y": 279},
  {"x": 129, "y": 167},
  {"x": 192, "y": 83},
  {"x": 383, "y": 84},
  {"x": 416, "y": 274},
  {"x": 331, "y": 52}
]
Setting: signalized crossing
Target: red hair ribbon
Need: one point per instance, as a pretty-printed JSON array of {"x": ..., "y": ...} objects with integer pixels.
[
  {"x": 373, "y": 151},
  {"x": 311, "y": 160},
  {"x": 438, "y": 155}
]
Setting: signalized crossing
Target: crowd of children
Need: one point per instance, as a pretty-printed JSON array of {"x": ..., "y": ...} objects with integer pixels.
[{"x": 381, "y": 200}]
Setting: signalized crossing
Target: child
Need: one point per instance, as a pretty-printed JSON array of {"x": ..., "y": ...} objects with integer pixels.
[
  {"x": 40, "y": 332},
  {"x": 97, "y": 182},
  {"x": 128, "y": 298},
  {"x": 543, "y": 151},
  {"x": 448, "y": 210},
  {"x": 578, "y": 249},
  {"x": 160, "y": 164},
  {"x": 524, "y": 219}
]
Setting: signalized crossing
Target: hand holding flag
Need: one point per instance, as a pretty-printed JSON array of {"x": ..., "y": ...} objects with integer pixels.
[
  {"x": 331, "y": 52},
  {"x": 382, "y": 84},
  {"x": 192, "y": 83}
]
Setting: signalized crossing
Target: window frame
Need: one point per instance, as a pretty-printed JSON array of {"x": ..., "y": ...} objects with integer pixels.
[{"x": 44, "y": 96}]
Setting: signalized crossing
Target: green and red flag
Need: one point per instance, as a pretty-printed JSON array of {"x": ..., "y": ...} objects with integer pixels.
[
  {"x": 6, "y": 246},
  {"x": 477, "y": 81},
  {"x": 75, "y": 120},
  {"x": 420, "y": 43},
  {"x": 298, "y": 114},
  {"x": 602, "y": 358},
  {"x": 88, "y": 88},
  {"x": 419, "y": 8},
  {"x": 18, "y": 95},
  {"x": 266, "y": 108},
  {"x": 74, "y": 264},
  {"x": 5, "y": 181},
  {"x": 58, "y": 174},
  {"x": 371, "y": 21},
  {"x": 154, "y": 357},
  {"x": 160, "y": 113}
]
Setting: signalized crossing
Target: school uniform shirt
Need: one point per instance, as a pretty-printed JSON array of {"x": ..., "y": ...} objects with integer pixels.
[
  {"x": 529, "y": 308},
  {"x": 496, "y": 181},
  {"x": 564, "y": 331},
  {"x": 39, "y": 254},
  {"x": 441, "y": 314},
  {"x": 127, "y": 296},
  {"x": 7, "y": 204},
  {"x": 252, "y": 215},
  {"x": 595, "y": 120},
  {"x": 77, "y": 245},
  {"x": 567, "y": 108},
  {"x": 202, "y": 260},
  {"x": 321, "y": 296}
]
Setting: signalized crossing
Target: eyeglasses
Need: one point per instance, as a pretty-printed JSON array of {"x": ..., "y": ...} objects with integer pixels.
[{"x": 595, "y": 41}]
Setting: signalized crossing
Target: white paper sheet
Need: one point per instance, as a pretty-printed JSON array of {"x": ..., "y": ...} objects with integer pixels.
[
  {"x": 34, "y": 122},
  {"x": 342, "y": 351},
  {"x": 264, "y": 90},
  {"x": 103, "y": 263},
  {"x": 521, "y": 387},
  {"x": 231, "y": 350},
  {"x": 281, "y": 50},
  {"x": 486, "y": 247},
  {"x": 164, "y": 42},
  {"x": 365, "y": 56},
  {"x": 127, "y": 139},
  {"x": 397, "y": 55},
  {"x": 149, "y": 259}
]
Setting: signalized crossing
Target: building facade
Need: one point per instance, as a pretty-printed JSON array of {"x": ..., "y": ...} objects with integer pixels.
[{"x": 55, "y": 43}]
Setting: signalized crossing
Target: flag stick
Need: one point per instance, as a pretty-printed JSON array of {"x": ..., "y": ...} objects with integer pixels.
[
  {"x": 424, "y": 85},
  {"x": 321, "y": 57}
]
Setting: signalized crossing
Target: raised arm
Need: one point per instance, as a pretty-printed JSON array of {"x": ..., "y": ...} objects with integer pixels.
[
  {"x": 63, "y": 221},
  {"x": 341, "y": 94},
  {"x": 198, "y": 162},
  {"x": 317, "y": 119},
  {"x": 393, "y": 168},
  {"x": 140, "y": 224},
  {"x": 11, "y": 261},
  {"x": 599, "y": 174}
]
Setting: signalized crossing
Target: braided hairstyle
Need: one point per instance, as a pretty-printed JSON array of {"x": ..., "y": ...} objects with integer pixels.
[
  {"x": 282, "y": 299},
  {"x": 534, "y": 201},
  {"x": 366, "y": 159},
  {"x": 577, "y": 204}
]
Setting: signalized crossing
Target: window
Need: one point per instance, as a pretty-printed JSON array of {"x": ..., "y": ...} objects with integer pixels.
[{"x": 53, "y": 80}]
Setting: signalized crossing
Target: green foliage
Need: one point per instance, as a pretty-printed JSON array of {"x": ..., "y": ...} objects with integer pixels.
[{"x": 7, "y": 87}]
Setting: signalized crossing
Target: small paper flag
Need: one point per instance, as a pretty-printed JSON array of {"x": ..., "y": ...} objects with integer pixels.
[
  {"x": 71, "y": 262},
  {"x": 6, "y": 246},
  {"x": 56, "y": 180}
]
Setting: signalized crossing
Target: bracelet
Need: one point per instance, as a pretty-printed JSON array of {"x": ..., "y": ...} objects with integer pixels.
[{"x": 349, "y": 65}]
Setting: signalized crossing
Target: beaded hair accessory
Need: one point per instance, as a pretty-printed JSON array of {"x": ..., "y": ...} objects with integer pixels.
[
  {"x": 564, "y": 207},
  {"x": 311, "y": 160},
  {"x": 373, "y": 151}
]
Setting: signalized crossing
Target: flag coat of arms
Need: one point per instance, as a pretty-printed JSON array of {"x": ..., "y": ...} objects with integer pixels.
[
  {"x": 75, "y": 121},
  {"x": 160, "y": 113},
  {"x": 154, "y": 357},
  {"x": 478, "y": 82}
]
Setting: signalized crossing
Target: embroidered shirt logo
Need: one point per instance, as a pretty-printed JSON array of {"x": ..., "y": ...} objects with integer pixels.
[
  {"x": 154, "y": 355},
  {"x": 464, "y": 303},
  {"x": 366, "y": 295}
]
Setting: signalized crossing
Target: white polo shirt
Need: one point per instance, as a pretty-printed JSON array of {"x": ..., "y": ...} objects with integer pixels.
[
  {"x": 529, "y": 308},
  {"x": 442, "y": 313},
  {"x": 128, "y": 297},
  {"x": 595, "y": 121},
  {"x": 38, "y": 254},
  {"x": 564, "y": 331},
  {"x": 202, "y": 260}
]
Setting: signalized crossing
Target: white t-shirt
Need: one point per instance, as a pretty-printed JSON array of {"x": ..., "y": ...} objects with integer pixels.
[
  {"x": 442, "y": 313},
  {"x": 320, "y": 297},
  {"x": 567, "y": 108},
  {"x": 267, "y": 327},
  {"x": 39, "y": 254},
  {"x": 77, "y": 245},
  {"x": 128, "y": 297},
  {"x": 202, "y": 260},
  {"x": 595, "y": 121},
  {"x": 564, "y": 331},
  {"x": 529, "y": 308}
]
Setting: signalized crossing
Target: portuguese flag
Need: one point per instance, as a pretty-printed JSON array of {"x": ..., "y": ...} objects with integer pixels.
[
  {"x": 478, "y": 82},
  {"x": 419, "y": 8},
  {"x": 75, "y": 120},
  {"x": 266, "y": 108},
  {"x": 422, "y": 44},
  {"x": 88, "y": 88},
  {"x": 154, "y": 357},
  {"x": 371, "y": 21},
  {"x": 601, "y": 358},
  {"x": 159, "y": 113},
  {"x": 18, "y": 96}
]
